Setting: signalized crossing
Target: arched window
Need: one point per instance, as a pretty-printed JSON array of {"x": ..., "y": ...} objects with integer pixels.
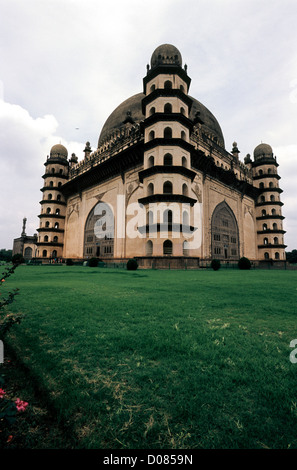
[
  {"x": 263, "y": 212},
  {"x": 275, "y": 240},
  {"x": 167, "y": 247},
  {"x": 264, "y": 226},
  {"x": 185, "y": 218},
  {"x": 149, "y": 248},
  {"x": 56, "y": 225},
  {"x": 266, "y": 255},
  {"x": 276, "y": 255},
  {"x": 261, "y": 185},
  {"x": 274, "y": 226},
  {"x": 273, "y": 212},
  {"x": 265, "y": 241},
  {"x": 61, "y": 171},
  {"x": 55, "y": 239},
  {"x": 271, "y": 185},
  {"x": 151, "y": 161},
  {"x": 168, "y": 159},
  {"x": 167, "y": 133},
  {"x": 182, "y": 88},
  {"x": 168, "y": 108},
  {"x": 153, "y": 87},
  {"x": 269, "y": 171},
  {"x": 185, "y": 189},
  {"x": 59, "y": 184},
  {"x": 168, "y": 85},
  {"x": 47, "y": 224},
  {"x": 150, "y": 189},
  {"x": 51, "y": 184},
  {"x": 44, "y": 253},
  {"x": 59, "y": 197},
  {"x": 167, "y": 216},
  {"x": 57, "y": 211},
  {"x": 272, "y": 198},
  {"x": 183, "y": 135},
  {"x": 54, "y": 254},
  {"x": 151, "y": 135},
  {"x": 152, "y": 111},
  {"x": 167, "y": 187},
  {"x": 46, "y": 238},
  {"x": 184, "y": 161},
  {"x": 186, "y": 248},
  {"x": 53, "y": 170},
  {"x": 262, "y": 198},
  {"x": 150, "y": 218},
  {"x": 50, "y": 196},
  {"x": 182, "y": 111},
  {"x": 48, "y": 210},
  {"x": 260, "y": 172}
]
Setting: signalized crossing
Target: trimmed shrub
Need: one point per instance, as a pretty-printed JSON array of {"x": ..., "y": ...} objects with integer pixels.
[
  {"x": 93, "y": 263},
  {"x": 244, "y": 263},
  {"x": 69, "y": 262},
  {"x": 132, "y": 264},
  {"x": 215, "y": 264},
  {"x": 18, "y": 259}
]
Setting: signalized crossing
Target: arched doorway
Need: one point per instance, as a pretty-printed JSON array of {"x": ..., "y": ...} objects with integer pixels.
[
  {"x": 99, "y": 232},
  {"x": 224, "y": 234}
]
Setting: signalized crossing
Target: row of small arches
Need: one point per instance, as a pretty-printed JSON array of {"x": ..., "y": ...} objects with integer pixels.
[
  {"x": 167, "y": 86},
  {"x": 275, "y": 241},
  {"x": 264, "y": 212},
  {"x": 274, "y": 227},
  {"x": 276, "y": 256},
  {"x": 269, "y": 172},
  {"x": 167, "y": 134},
  {"x": 49, "y": 211},
  {"x": 167, "y": 109},
  {"x": 167, "y": 248},
  {"x": 53, "y": 171},
  {"x": 167, "y": 160},
  {"x": 47, "y": 225},
  {"x": 54, "y": 254},
  {"x": 271, "y": 185},
  {"x": 167, "y": 217},
  {"x": 167, "y": 188},
  {"x": 46, "y": 239},
  {"x": 50, "y": 197},
  {"x": 51, "y": 184},
  {"x": 271, "y": 198}
]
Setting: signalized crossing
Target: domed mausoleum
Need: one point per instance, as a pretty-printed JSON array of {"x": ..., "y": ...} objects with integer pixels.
[{"x": 161, "y": 185}]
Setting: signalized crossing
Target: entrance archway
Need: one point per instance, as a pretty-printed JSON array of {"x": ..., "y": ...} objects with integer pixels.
[
  {"x": 224, "y": 233},
  {"x": 99, "y": 232}
]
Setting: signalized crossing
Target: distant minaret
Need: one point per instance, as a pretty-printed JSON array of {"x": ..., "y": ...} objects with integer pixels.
[{"x": 24, "y": 227}]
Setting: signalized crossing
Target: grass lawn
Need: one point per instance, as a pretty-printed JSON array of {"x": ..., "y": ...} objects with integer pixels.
[{"x": 161, "y": 359}]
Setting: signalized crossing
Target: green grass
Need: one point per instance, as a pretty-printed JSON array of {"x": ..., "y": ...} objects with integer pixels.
[{"x": 161, "y": 359}]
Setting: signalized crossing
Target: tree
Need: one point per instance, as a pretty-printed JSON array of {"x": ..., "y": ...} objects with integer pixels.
[{"x": 292, "y": 256}]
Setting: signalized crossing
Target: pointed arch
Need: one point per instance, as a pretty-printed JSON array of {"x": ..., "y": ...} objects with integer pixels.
[
  {"x": 224, "y": 233},
  {"x": 99, "y": 232}
]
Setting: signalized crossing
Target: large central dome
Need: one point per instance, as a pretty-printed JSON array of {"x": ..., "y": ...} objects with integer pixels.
[{"x": 132, "y": 109}]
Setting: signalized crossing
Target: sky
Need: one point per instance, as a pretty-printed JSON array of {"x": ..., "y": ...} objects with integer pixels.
[{"x": 65, "y": 65}]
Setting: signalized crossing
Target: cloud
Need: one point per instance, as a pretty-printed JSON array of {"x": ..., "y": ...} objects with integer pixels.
[{"x": 25, "y": 143}]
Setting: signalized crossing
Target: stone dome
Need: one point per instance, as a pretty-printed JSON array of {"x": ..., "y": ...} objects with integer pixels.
[
  {"x": 59, "y": 150},
  {"x": 131, "y": 110},
  {"x": 166, "y": 54},
  {"x": 263, "y": 151}
]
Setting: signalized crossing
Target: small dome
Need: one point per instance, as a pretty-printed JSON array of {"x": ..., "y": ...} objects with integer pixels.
[
  {"x": 166, "y": 54},
  {"x": 59, "y": 150},
  {"x": 263, "y": 151}
]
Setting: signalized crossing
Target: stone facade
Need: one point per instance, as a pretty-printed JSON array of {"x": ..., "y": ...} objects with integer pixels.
[{"x": 161, "y": 186}]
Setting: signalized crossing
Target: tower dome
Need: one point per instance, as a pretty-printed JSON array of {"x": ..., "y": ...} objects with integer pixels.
[
  {"x": 59, "y": 150},
  {"x": 263, "y": 151},
  {"x": 166, "y": 54}
]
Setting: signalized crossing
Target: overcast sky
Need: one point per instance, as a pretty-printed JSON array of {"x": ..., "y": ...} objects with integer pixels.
[{"x": 65, "y": 65}]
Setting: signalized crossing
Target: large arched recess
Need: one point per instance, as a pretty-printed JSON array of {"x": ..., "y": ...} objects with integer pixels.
[
  {"x": 99, "y": 232},
  {"x": 224, "y": 233}
]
